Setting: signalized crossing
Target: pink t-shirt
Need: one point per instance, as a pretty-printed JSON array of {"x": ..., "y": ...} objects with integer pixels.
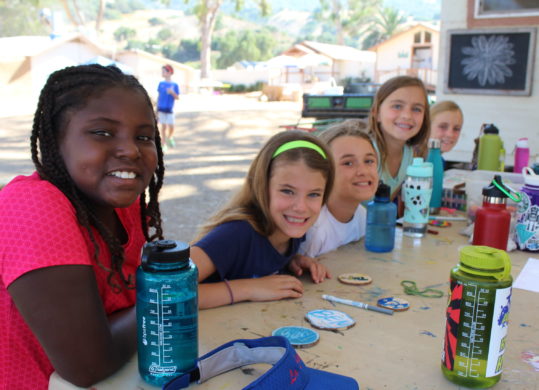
[{"x": 39, "y": 228}]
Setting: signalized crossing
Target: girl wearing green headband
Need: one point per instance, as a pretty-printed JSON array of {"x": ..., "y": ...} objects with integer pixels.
[{"x": 247, "y": 251}]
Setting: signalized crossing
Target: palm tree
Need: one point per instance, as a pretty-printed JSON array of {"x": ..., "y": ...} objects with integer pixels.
[
  {"x": 348, "y": 17},
  {"x": 388, "y": 22}
]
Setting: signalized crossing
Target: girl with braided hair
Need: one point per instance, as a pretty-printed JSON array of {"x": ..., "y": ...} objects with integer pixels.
[{"x": 72, "y": 232}]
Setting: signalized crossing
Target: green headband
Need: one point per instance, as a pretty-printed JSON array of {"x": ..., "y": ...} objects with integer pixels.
[{"x": 298, "y": 144}]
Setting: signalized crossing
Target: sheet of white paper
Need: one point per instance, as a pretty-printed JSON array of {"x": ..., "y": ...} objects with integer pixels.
[{"x": 528, "y": 279}]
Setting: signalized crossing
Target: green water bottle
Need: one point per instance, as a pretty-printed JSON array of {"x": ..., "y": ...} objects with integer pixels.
[
  {"x": 477, "y": 317},
  {"x": 491, "y": 155}
]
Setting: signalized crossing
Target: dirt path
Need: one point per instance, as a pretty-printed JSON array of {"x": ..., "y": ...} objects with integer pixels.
[{"x": 216, "y": 139}]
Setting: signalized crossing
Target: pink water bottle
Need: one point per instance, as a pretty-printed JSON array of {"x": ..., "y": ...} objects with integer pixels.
[{"x": 522, "y": 155}]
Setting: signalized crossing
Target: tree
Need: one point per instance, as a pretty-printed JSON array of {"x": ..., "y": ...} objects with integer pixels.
[
  {"x": 207, "y": 11},
  {"x": 386, "y": 24},
  {"x": 164, "y": 34},
  {"x": 244, "y": 45},
  {"x": 389, "y": 21},
  {"x": 20, "y": 17},
  {"x": 78, "y": 12},
  {"x": 348, "y": 17},
  {"x": 186, "y": 51},
  {"x": 74, "y": 14},
  {"x": 124, "y": 33}
]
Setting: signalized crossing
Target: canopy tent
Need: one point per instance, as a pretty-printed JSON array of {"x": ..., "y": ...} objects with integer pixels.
[{"x": 303, "y": 61}]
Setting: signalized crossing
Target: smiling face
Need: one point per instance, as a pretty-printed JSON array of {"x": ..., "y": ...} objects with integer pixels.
[
  {"x": 295, "y": 200},
  {"x": 401, "y": 114},
  {"x": 356, "y": 177},
  {"x": 109, "y": 148},
  {"x": 446, "y": 127}
]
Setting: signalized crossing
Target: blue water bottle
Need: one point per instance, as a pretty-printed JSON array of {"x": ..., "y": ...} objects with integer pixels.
[
  {"x": 435, "y": 157},
  {"x": 381, "y": 220},
  {"x": 167, "y": 311}
]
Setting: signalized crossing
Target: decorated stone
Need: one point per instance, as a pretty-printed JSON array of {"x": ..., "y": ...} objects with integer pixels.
[
  {"x": 392, "y": 303},
  {"x": 330, "y": 319},
  {"x": 355, "y": 278},
  {"x": 298, "y": 336}
]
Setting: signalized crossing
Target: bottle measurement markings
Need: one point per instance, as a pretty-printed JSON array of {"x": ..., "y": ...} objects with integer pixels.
[{"x": 472, "y": 339}]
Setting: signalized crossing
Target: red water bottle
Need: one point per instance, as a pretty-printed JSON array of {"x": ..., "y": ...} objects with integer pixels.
[{"x": 492, "y": 220}]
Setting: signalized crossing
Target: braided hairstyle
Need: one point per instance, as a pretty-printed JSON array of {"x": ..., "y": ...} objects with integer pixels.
[{"x": 66, "y": 91}]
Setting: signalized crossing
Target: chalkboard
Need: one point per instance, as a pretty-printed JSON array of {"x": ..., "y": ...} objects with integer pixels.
[{"x": 490, "y": 61}]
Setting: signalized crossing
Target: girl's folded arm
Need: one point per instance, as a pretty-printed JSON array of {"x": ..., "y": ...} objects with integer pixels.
[
  {"x": 267, "y": 288},
  {"x": 63, "y": 308},
  {"x": 209, "y": 294}
]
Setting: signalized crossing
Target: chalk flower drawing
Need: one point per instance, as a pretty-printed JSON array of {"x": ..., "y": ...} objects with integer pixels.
[{"x": 489, "y": 59}]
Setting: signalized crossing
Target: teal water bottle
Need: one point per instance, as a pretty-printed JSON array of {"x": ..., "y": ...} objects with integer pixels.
[
  {"x": 167, "y": 311},
  {"x": 491, "y": 155},
  {"x": 435, "y": 158},
  {"x": 381, "y": 221},
  {"x": 477, "y": 317},
  {"x": 535, "y": 165}
]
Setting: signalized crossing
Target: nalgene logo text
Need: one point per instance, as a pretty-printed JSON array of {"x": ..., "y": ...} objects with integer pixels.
[
  {"x": 155, "y": 369},
  {"x": 144, "y": 340}
]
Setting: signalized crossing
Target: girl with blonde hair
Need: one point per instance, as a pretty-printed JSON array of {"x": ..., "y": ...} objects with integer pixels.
[{"x": 245, "y": 249}]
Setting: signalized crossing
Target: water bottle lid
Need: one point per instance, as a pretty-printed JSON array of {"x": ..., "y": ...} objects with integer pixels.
[
  {"x": 530, "y": 177},
  {"x": 165, "y": 251},
  {"x": 434, "y": 143},
  {"x": 383, "y": 191},
  {"x": 485, "y": 261},
  {"x": 419, "y": 168},
  {"x": 492, "y": 190},
  {"x": 490, "y": 129},
  {"x": 522, "y": 143}
]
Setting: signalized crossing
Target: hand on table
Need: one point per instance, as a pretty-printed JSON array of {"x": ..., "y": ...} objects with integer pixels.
[
  {"x": 273, "y": 288},
  {"x": 318, "y": 271}
]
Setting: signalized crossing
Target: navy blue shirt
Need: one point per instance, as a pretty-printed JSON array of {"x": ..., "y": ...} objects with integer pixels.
[{"x": 239, "y": 252}]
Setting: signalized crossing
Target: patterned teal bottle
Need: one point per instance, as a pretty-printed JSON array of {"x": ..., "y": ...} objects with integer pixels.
[
  {"x": 417, "y": 190},
  {"x": 167, "y": 311},
  {"x": 477, "y": 317}
]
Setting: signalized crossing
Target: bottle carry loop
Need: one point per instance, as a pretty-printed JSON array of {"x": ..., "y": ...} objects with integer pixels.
[
  {"x": 410, "y": 288},
  {"x": 504, "y": 188}
]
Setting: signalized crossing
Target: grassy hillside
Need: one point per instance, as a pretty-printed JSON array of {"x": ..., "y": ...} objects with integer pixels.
[
  {"x": 185, "y": 27},
  {"x": 168, "y": 27},
  {"x": 181, "y": 25}
]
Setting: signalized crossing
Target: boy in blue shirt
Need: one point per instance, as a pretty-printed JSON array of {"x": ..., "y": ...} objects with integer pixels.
[{"x": 168, "y": 93}]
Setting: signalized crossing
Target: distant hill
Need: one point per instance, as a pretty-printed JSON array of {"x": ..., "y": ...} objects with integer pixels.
[
  {"x": 183, "y": 26},
  {"x": 417, "y": 9},
  {"x": 288, "y": 18},
  {"x": 291, "y": 21}
]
